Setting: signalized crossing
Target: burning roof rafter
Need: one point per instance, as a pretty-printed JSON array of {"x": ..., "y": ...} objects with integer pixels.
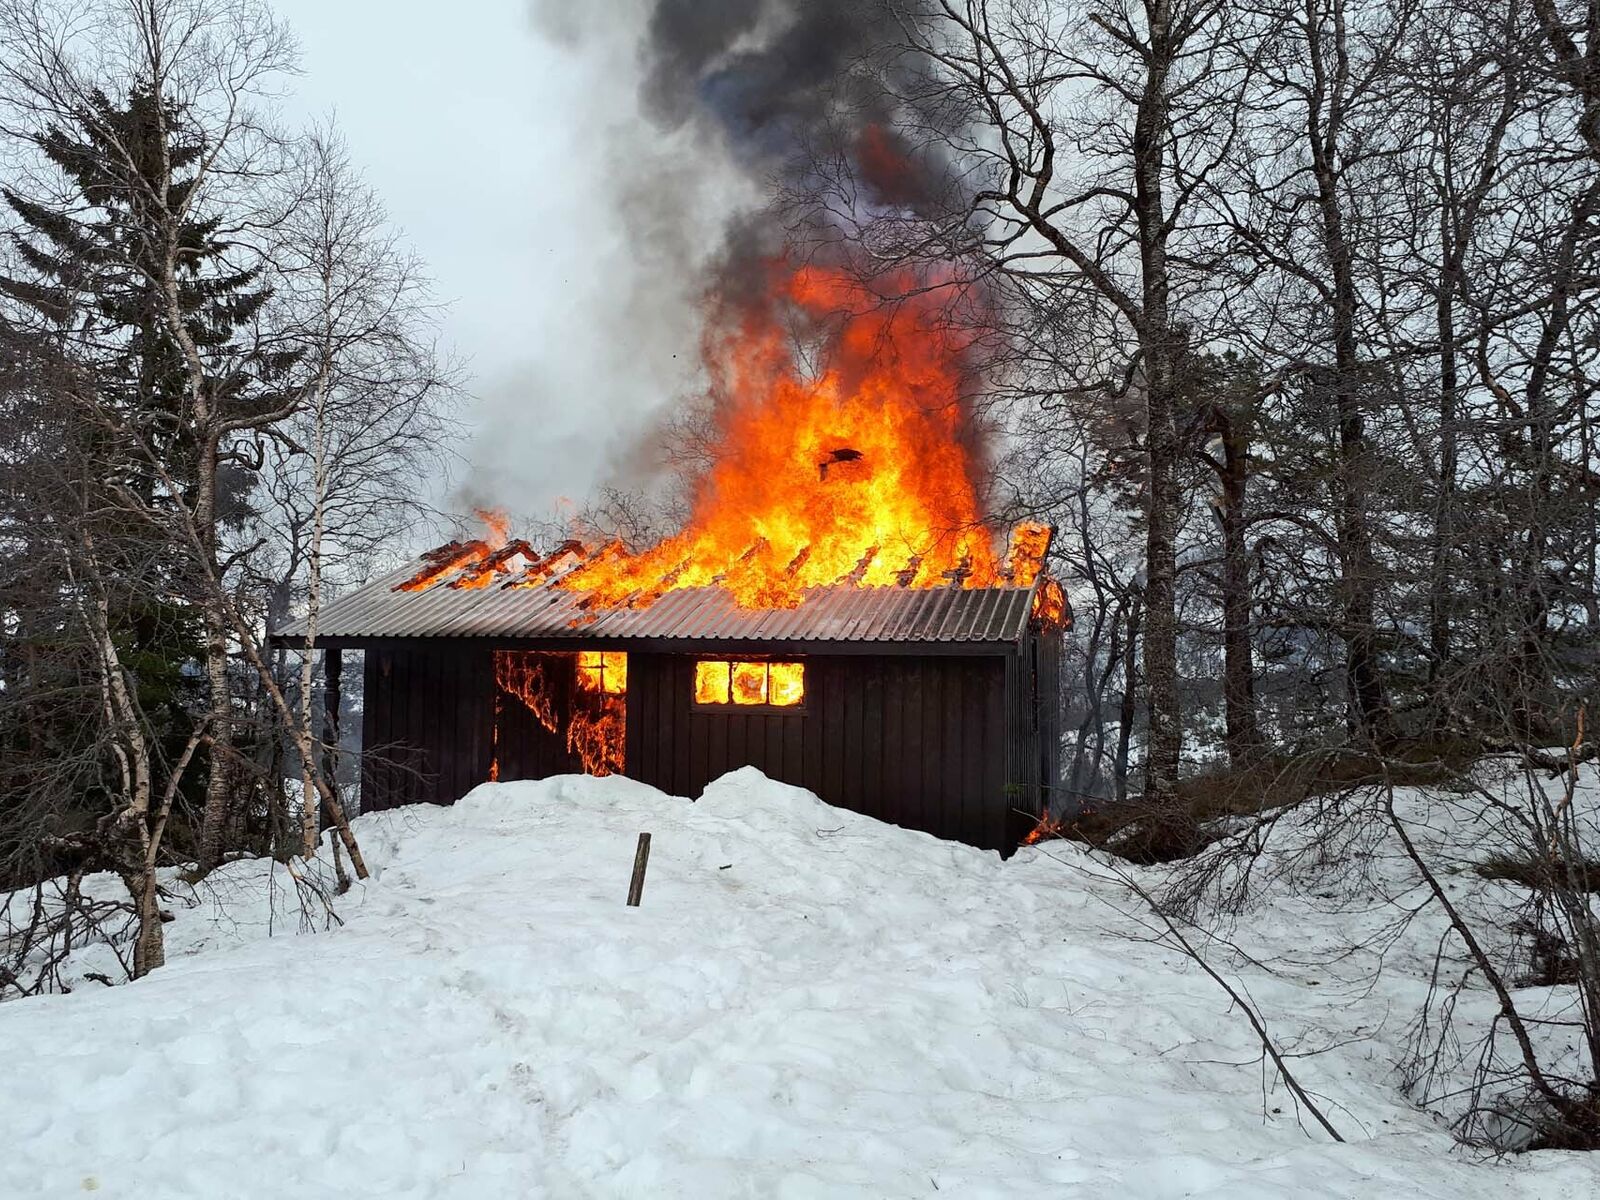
[{"x": 476, "y": 564}]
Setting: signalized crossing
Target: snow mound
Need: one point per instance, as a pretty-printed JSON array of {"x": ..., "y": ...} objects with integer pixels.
[{"x": 808, "y": 1003}]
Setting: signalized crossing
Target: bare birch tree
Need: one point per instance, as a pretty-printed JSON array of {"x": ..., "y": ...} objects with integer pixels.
[{"x": 344, "y": 468}]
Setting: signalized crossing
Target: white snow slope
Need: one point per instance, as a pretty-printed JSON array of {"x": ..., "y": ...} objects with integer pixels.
[{"x": 808, "y": 1004}]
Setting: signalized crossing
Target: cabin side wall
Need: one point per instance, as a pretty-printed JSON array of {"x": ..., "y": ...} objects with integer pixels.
[
  {"x": 434, "y": 725},
  {"x": 919, "y": 741},
  {"x": 957, "y": 745},
  {"x": 1033, "y": 706},
  {"x": 427, "y": 724}
]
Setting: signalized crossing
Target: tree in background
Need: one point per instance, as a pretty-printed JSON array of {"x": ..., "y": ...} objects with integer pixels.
[
  {"x": 192, "y": 304},
  {"x": 88, "y": 268},
  {"x": 341, "y": 468}
]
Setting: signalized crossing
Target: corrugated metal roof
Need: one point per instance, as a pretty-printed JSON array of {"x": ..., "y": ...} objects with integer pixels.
[{"x": 839, "y": 613}]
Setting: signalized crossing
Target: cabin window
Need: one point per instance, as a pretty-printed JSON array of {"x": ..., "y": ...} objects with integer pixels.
[
  {"x": 723, "y": 683},
  {"x": 603, "y": 671}
]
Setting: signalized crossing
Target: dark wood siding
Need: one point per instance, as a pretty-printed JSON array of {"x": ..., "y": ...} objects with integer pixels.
[
  {"x": 524, "y": 747},
  {"x": 1032, "y": 716},
  {"x": 960, "y": 746},
  {"x": 917, "y": 741},
  {"x": 426, "y": 724}
]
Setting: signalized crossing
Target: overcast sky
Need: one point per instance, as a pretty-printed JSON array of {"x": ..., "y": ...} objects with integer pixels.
[{"x": 517, "y": 165}]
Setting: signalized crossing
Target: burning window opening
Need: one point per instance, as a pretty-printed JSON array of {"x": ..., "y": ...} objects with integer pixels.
[
  {"x": 603, "y": 671},
  {"x": 582, "y": 696},
  {"x": 721, "y": 683}
]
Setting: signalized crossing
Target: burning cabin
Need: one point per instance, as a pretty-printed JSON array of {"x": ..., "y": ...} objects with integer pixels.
[
  {"x": 932, "y": 704},
  {"x": 834, "y": 611}
]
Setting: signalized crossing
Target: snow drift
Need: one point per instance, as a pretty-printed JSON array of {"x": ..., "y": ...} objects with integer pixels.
[{"x": 809, "y": 1003}]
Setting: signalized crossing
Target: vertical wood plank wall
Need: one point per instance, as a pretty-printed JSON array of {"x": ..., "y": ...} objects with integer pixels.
[
  {"x": 920, "y": 741},
  {"x": 427, "y": 723},
  {"x": 428, "y": 727},
  {"x": 954, "y": 745}
]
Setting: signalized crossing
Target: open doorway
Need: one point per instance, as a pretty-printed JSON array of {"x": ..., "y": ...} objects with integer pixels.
[{"x": 558, "y": 711}]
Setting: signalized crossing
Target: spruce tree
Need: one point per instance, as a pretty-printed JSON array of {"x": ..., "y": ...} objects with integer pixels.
[{"x": 92, "y": 274}]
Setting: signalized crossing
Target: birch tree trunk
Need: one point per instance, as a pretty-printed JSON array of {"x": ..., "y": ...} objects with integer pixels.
[
  {"x": 132, "y": 848},
  {"x": 304, "y": 741}
]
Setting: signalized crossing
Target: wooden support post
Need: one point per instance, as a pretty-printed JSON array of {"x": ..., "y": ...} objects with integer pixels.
[
  {"x": 641, "y": 859},
  {"x": 333, "y": 673}
]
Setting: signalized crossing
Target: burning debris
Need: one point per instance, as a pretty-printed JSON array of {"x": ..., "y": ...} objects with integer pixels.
[
  {"x": 482, "y": 554},
  {"x": 572, "y": 566},
  {"x": 1048, "y": 829},
  {"x": 483, "y": 572},
  {"x": 441, "y": 561},
  {"x": 842, "y": 455}
]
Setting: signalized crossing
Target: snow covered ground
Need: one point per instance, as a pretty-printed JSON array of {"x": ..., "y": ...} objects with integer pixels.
[{"x": 808, "y": 1004}]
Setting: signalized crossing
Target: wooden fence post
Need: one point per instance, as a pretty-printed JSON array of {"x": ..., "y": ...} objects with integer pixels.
[{"x": 641, "y": 859}]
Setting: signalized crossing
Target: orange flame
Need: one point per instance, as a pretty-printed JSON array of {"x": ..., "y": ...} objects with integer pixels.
[
  {"x": 864, "y": 470},
  {"x": 596, "y": 715},
  {"x": 488, "y": 567},
  {"x": 496, "y": 525},
  {"x": 749, "y": 683},
  {"x": 595, "y": 735},
  {"x": 524, "y": 676},
  {"x": 1030, "y": 542},
  {"x": 1050, "y": 605},
  {"x": 603, "y": 671},
  {"x": 477, "y": 558},
  {"x": 438, "y": 563},
  {"x": 787, "y": 685},
  {"x": 1046, "y": 830},
  {"x": 770, "y": 684},
  {"x": 711, "y": 682}
]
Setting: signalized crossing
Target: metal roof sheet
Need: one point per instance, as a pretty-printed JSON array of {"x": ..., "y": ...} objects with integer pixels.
[{"x": 837, "y": 613}]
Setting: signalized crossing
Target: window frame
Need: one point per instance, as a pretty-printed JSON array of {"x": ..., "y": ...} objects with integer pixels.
[{"x": 729, "y": 706}]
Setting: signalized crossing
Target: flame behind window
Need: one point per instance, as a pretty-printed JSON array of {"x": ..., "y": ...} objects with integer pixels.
[
  {"x": 786, "y": 684},
  {"x": 604, "y": 671},
  {"x": 711, "y": 682},
  {"x": 771, "y": 685},
  {"x": 749, "y": 683}
]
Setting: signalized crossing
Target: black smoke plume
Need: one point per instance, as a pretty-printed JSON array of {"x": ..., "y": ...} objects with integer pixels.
[{"x": 810, "y": 95}]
